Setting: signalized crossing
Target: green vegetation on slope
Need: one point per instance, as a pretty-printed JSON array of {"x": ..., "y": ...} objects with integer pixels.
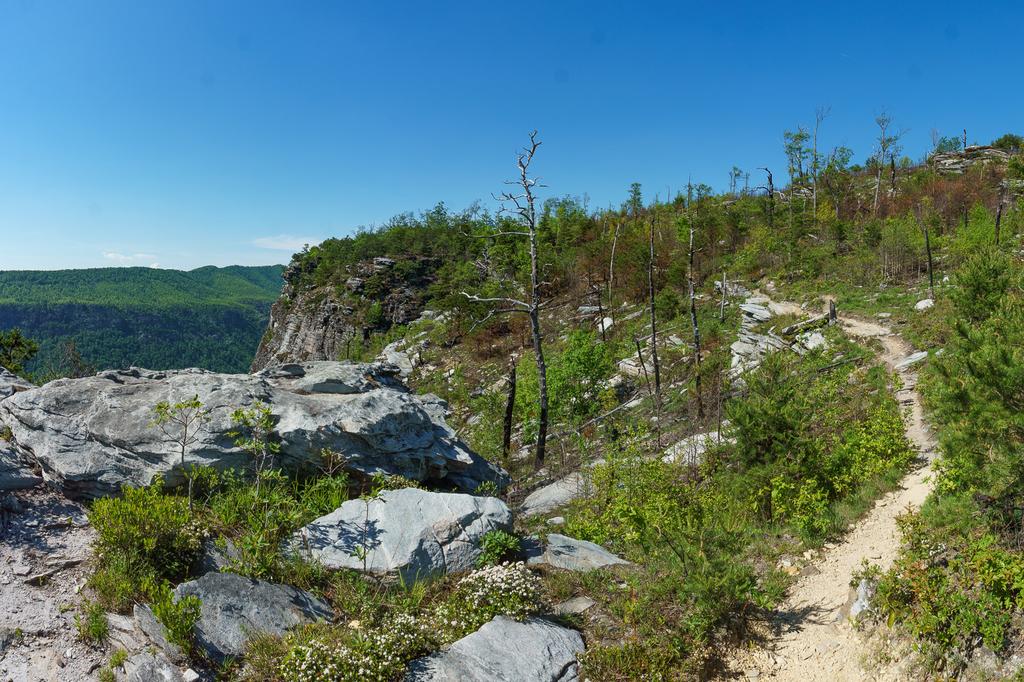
[
  {"x": 959, "y": 584},
  {"x": 817, "y": 437},
  {"x": 163, "y": 319}
]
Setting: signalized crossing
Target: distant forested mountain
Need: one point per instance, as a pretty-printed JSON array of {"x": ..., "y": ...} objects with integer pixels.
[{"x": 162, "y": 319}]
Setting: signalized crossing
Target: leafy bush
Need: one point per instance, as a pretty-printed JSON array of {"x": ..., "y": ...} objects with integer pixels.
[
  {"x": 179, "y": 616},
  {"x": 578, "y": 373},
  {"x": 496, "y": 546},
  {"x": 959, "y": 580},
  {"x": 144, "y": 534},
  {"x": 258, "y": 519},
  {"x": 952, "y": 592},
  {"x": 977, "y": 398},
  {"x": 119, "y": 580}
]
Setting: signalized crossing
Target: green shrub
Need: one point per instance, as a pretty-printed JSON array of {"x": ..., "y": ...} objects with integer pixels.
[
  {"x": 148, "y": 525},
  {"x": 258, "y": 519},
  {"x": 323, "y": 494},
  {"x": 119, "y": 580},
  {"x": 868, "y": 450},
  {"x": 381, "y": 482},
  {"x": 496, "y": 546},
  {"x": 981, "y": 284},
  {"x": 143, "y": 534},
  {"x": 773, "y": 420},
  {"x": 177, "y": 616},
  {"x": 952, "y": 592},
  {"x": 118, "y": 658},
  {"x": 91, "y": 621}
]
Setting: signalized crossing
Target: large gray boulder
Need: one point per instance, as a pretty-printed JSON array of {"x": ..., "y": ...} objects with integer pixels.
[
  {"x": 234, "y": 608},
  {"x": 505, "y": 650},
  {"x": 15, "y": 473},
  {"x": 554, "y": 495},
  {"x": 571, "y": 554},
  {"x": 11, "y": 383},
  {"x": 407, "y": 533},
  {"x": 93, "y": 435}
]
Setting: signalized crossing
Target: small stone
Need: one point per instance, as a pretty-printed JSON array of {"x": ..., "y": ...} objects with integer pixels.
[
  {"x": 574, "y": 606},
  {"x": 556, "y": 521},
  {"x": 924, "y": 304}
]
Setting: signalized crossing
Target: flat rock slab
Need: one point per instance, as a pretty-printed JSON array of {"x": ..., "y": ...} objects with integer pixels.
[
  {"x": 505, "y": 650},
  {"x": 910, "y": 360},
  {"x": 572, "y": 555},
  {"x": 235, "y": 607},
  {"x": 757, "y": 312},
  {"x": 554, "y": 495},
  {"x": 95, "y": 434},
  {"x": 14, "y": 471},
  {"x": 407, "y": 533}
]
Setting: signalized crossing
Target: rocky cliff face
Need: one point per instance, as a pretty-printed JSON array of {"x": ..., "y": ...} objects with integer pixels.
[
  {"x": 956, "y": 163},
  {"x": 322, "y": 322}
]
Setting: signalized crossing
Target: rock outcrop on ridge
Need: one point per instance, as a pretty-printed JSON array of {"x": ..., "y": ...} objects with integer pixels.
[{"x": 91, "y": 436}]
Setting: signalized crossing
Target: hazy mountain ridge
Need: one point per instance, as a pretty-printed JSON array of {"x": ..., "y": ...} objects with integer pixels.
[{"x": 208, "y": 317}]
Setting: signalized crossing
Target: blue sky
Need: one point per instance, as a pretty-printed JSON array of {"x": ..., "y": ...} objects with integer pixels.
[{"x": 186, "y": 133}]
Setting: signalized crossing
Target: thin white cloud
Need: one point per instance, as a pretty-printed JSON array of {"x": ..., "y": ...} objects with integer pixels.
[
  {"x": 284, "y": 242},
  {"x": 128, "y": 259}
]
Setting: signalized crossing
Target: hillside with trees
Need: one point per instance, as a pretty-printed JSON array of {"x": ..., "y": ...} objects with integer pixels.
[
  {"x": 639, "y": 352},
  {"x": 117, "y": 317},
  {"x": 770, "y": 432}
]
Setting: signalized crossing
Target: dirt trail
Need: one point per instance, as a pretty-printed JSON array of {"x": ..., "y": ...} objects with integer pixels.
[{"x": 812, "y": 638}]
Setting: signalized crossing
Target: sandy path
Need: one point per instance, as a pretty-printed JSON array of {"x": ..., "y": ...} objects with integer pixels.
[{"x": 812, "y": 638}]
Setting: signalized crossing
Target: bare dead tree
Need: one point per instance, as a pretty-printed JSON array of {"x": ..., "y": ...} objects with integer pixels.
[
  {"x": 771, "y": 197},
  {"x": 819, "y": 116},
  {"x": 928, "y": 251},
  {"x": 522, "y": 203},
  {"x": 654, "y": 319},
  {"x": 696, "y": 327},
  {"x": 510, "y": 405},
  {"x": 887, "y": 145},
  {"x": 643, "y": 365},
  {"x": 721, "y": 313},
  {"x": 611, "y": 261},
  {"x": 999, "y": 216},
  {"x": 595, "y": 290}
]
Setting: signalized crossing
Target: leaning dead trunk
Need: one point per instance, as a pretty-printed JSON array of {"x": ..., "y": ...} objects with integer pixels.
[
  {"x": 696, "y": 331},
  {"x": 654, "y": 319},
  {"x": 538, "y": 351}
]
